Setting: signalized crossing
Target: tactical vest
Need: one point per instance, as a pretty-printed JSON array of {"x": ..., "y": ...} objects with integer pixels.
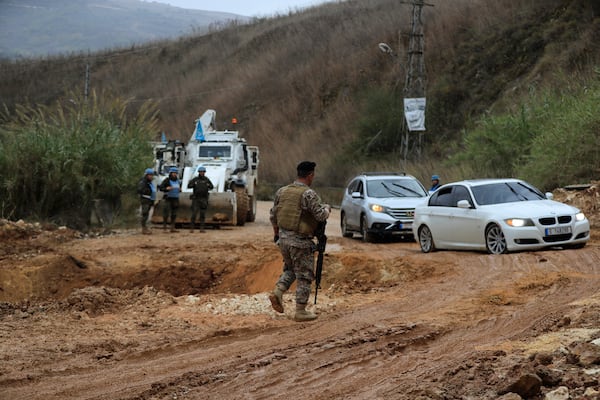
[
  {"x": 290, "y": 215},
  {"x": 201, "y": 188}
]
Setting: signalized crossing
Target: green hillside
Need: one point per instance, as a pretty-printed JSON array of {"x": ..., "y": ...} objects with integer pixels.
[{"x": 314, "y": 84}]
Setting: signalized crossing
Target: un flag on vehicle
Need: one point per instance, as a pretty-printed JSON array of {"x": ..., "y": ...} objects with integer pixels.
[{"x": 199, "y": 133}]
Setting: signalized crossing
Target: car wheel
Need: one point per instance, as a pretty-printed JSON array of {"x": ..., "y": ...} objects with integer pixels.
[
  {"x": 364, "y": 226},
  {"x": 344, "y": 226},
  {"x": 495, "y": 242},
  {"x": 426, "y": 239}
]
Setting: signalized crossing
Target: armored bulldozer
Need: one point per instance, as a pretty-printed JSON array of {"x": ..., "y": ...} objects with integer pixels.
[{"x": 230, "y": 163}]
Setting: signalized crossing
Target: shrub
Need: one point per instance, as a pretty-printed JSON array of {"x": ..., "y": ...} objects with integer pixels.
[
  {"x": 56, "y": 162},
  {"x": 550, "y": 142}
]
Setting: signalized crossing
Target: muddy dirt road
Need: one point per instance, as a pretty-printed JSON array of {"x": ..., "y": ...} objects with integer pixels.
[{"x": 186, "y": 316}]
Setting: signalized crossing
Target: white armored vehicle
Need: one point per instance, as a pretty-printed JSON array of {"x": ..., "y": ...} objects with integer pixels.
[{"x": 231, "y": 165}]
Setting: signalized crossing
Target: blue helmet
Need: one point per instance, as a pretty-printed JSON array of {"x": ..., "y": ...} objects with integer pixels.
[
  {"x": 435, "y": 178},
  {"x": 201, "y": 169},
  {"x": 173, "y": 169},
  {"x": 149, "y": 171}
]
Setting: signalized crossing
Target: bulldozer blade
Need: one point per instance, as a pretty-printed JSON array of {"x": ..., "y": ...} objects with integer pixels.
[{"x": 221, "y": 210}]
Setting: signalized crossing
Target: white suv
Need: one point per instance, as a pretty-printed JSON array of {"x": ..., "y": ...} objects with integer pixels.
[{"x": 377, "y": 204}]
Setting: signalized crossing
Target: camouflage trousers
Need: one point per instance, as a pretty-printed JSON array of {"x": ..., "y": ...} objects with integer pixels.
[
  {"x": 199, "y": 207},
  {"x": 146, "y": 207},
  {"x": 298, "y": 266}
]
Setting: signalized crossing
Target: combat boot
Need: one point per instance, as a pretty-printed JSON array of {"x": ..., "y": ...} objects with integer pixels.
[
  {"x": 276, "y": 298},
  {"x": 146, "y": 231},
  {"x": 303, "y": 315},
  {"x": 173, "y": 227},
  {"x": 164, "y": 226},
  {"x": 192, "y": 228}
]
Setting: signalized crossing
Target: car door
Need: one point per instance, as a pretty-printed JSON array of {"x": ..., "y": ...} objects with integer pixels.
[
  {"x": 466, "y": 225},
  {"x": 439, "y": 216},
  {"x": 353, "y": 212}
]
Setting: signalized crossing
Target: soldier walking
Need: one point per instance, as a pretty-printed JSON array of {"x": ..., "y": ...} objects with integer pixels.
[{"x": 295, "y": 216}]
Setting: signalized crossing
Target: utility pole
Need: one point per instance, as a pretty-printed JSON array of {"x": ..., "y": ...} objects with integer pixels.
[{"x": 414, "y": 86}]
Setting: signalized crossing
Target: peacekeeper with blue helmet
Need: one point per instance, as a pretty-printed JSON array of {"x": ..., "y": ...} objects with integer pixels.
[
  {"x": 147, "y": 193},
  {"x": 171, "y": 186},
  {"x": 435, "y": 183},
  {"x": 295, "y": 216}
]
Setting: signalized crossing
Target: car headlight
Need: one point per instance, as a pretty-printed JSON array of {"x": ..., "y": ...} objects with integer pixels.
[
  {"x": 580, "y": 216},
  {"x": 377, "y": 208},
  {"x": 518, "y": 222}
]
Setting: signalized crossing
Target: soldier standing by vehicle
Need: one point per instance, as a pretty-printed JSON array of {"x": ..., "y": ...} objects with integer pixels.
[
  {"x": 201, "y": 185},
  {"x": 171, "y": 185},
  {"x": 296, "y": 213},
  {"x": 147, "y": 192}
]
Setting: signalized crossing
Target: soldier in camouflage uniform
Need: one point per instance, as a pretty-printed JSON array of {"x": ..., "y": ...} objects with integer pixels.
[
  {"x": 296, "y": 212},
  {"x": 201, "y": 185}
]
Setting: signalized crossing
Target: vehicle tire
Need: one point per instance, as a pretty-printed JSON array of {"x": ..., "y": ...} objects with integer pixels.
[
  {"x": 251, "y": 217},
  {"x": 495, "y": 242},
  {"x": 426, "y": 239},
  {"x": 241, "y": 198},
  {"x": 344, "y": 226},
  {"x": 364, "y": 226}
]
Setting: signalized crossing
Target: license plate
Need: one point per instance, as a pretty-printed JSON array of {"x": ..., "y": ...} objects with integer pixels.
[{"x": 559, "y": 230}]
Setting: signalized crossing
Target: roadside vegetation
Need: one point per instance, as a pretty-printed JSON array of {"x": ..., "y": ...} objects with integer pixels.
[
  {"x": 59, "y": 162},
  {"x": 553, "y": 139},
  {"x": 314, "y": 85}
]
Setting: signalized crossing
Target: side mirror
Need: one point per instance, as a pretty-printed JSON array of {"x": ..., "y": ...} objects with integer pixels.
[
  {"x": 549, "y": 196},
  {"x": 356, "y": 195},
  {"x": 463, "y": 204}
]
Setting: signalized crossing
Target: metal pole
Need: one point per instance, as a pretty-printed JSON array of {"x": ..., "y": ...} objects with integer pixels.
[{"x": 414, "y": 85}]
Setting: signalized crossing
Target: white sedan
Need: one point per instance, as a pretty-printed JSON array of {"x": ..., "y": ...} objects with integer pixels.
[{"x": 497, "y": 215}]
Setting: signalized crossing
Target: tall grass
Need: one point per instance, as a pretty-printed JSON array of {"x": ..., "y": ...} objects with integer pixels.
[
  {"x": 551, "y": 140},
  {"x": 57, "y": 161}
]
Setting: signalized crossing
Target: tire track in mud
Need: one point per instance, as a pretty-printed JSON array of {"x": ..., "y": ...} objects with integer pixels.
[
  {"x": 338, "y": 357},
  {"x": 441, "y": 314},
  {"x": 360, "y": 343}
]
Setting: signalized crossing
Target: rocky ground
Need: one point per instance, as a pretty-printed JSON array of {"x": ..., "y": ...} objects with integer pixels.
[{"x": 186, "y": 316}]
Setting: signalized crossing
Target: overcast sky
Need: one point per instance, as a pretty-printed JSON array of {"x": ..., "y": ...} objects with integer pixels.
[{"x": 249, "y": 8}]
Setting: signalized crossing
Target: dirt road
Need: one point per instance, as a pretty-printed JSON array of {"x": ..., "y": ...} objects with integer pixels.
[{"x": 186, "y": 316}]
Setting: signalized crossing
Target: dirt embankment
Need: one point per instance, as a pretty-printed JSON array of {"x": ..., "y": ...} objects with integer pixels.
[{"x": 186, "y": 316}]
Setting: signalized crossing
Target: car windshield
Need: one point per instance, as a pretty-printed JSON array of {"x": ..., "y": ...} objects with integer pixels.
[
  {"x": 505, "y": 192},
  {"x": 392, "y": 187},
  {"x": 214, "y": 152}
]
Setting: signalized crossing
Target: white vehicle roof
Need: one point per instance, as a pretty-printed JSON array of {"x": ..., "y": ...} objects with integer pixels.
[{"x": 483, "y": 181}]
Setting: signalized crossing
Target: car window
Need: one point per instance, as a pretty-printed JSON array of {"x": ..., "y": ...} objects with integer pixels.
[
  {"x": 461, "y": 193},
  {"x": 359, "y": 187},
  {"x": 352, "y": 186},
  {"x": 442, "y": 198},
  {"x": 394, "y": 187},
  {"x": 505, "y": 192}
]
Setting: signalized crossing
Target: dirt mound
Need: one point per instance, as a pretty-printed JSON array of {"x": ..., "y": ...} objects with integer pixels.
[
  {"x": 101, "y": 300},
  {"x": 586, "y": 198},
  {"x": 187, "y": 316}
]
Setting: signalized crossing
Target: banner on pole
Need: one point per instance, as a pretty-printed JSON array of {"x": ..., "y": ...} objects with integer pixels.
[{"x": 414, "y": 112}]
